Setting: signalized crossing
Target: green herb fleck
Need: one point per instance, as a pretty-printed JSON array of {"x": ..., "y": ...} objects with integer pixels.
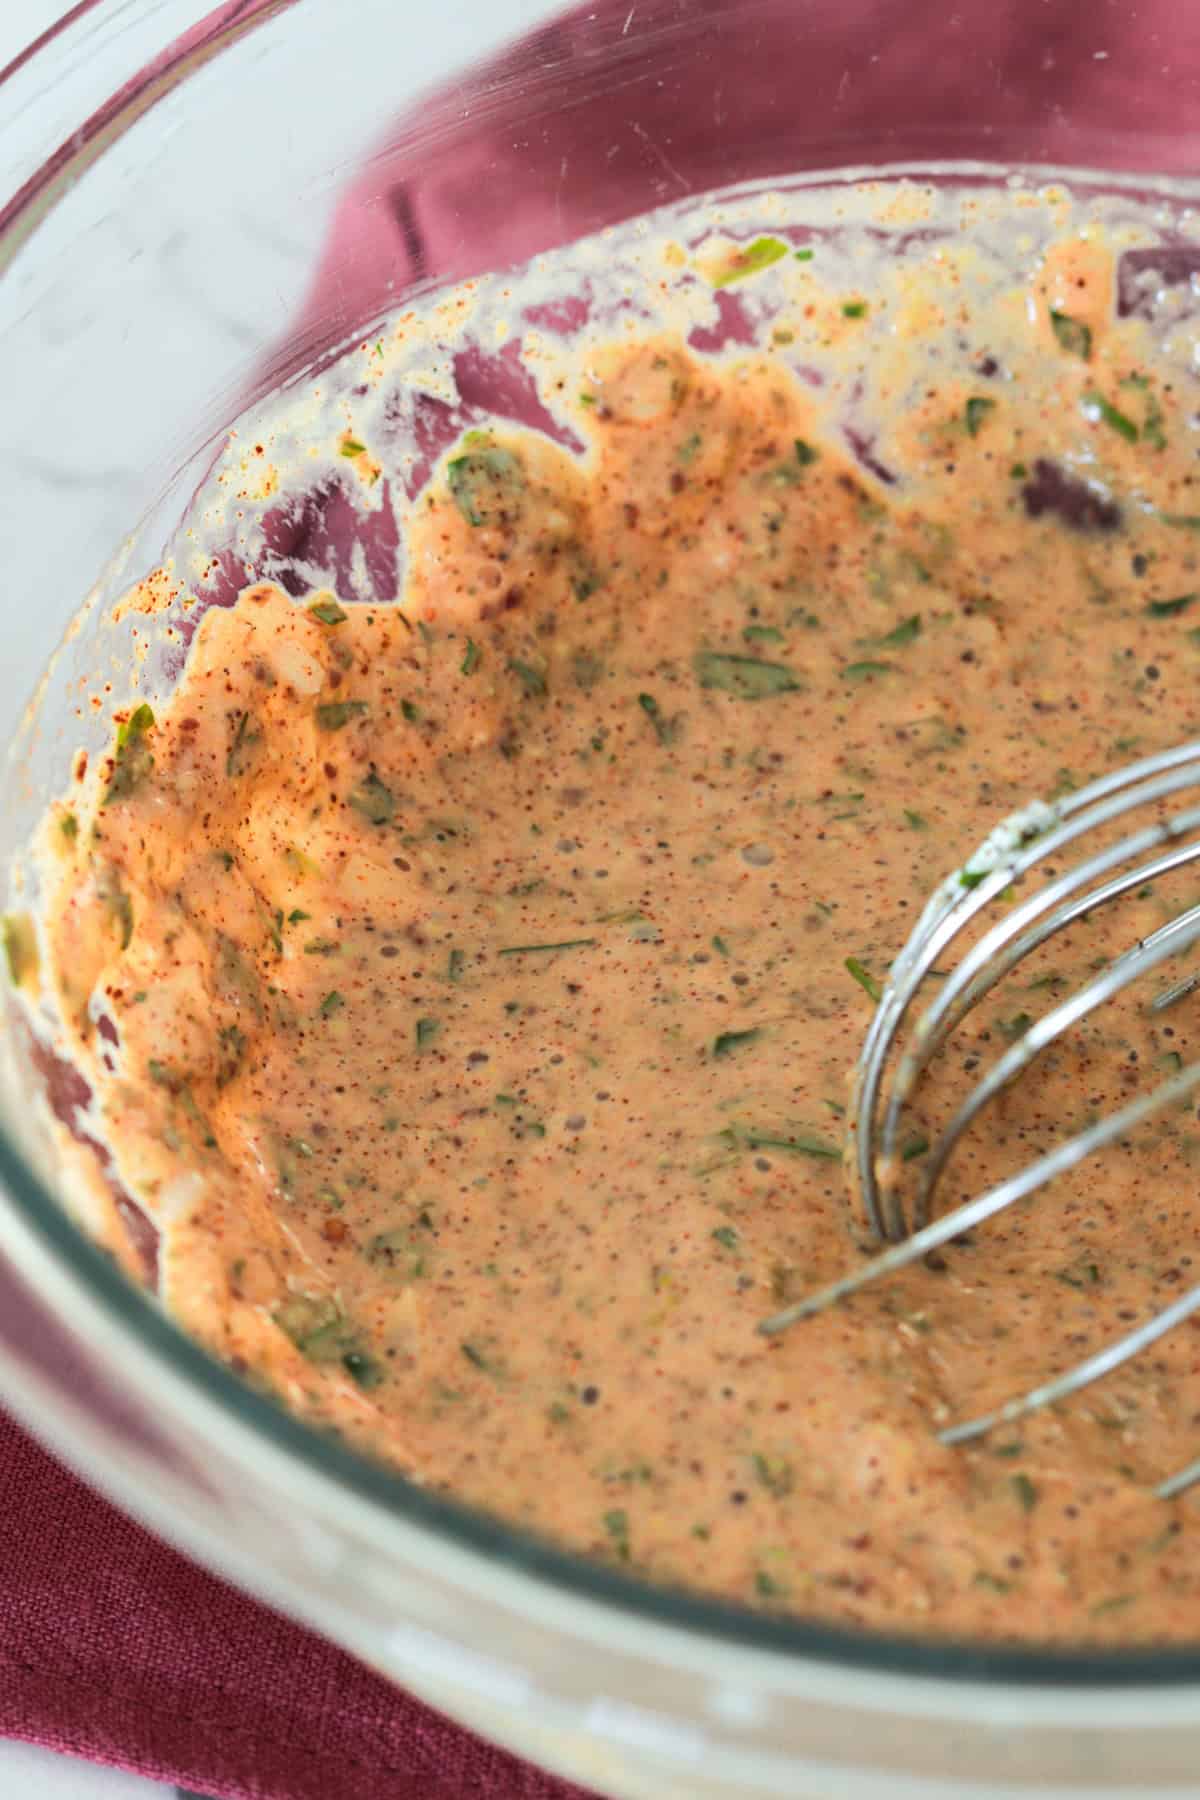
[
  {"x": 726, "y": 1236},
  {"x": 333, "y": 714},
  {"x": 245, "y": 736},
  {"x": 318, "y": 1329},
  {"x": 454, "y": 965},
  {"x": 328, "y": 612},
  {"x": 531, "y": 679},
  {"x": 1016, "y": 1027},
  {"x": 427, "y": 1030},
  {"x": 20, "y": 946},
  {"x": 905, "y": 633},
  {"x": 69, "y": 826},
  {"x": 322, "y": 947},
  {"x": 351, "y": 447},
  {"x": 616, "y": 1524},
  {"x": 914, "y": 1146},
  {"x": 916, "y": 820},
  {"x": 1152, "y": 419},
  {"x": 728, "y": 1041},
  {"x": 863, "y": 671},
  {"x": 1104, "y": 409},
  {"x": 1079, "y": 1274},
  {"x": 749, "y": 260},
  {"x": 476, "y": 1357},
  {"x": 746, "y": 677},
  {"x": 977, "y": 409},
  {"x": 806, "y": 453},
  {"x": 373, "y": 800},
  {"x": 485, "y": 484},
  {"x": 313, "y": 1324},
  {"x": 1025, "y": 1490},
  {"x": 332, "y": 1003},
  {"x": 854, "y": 309},
  {"x": 546, "y": 949},
  {"x": 1018, "y": 471},
  {"x": 773, "y": 1473},
  {"x": 121, "y": 907},
  {"x": 792, "y": 1143},
  {"x": 865, "y": 979},
  {"x": 1073, "y": 335},
  {"x": 362, "y": 1368},
  {"x": 296, "y": 916},
  {"x": 133, "y": 761},
  {"x": 472, "y": 657},
  {"x": 762, "y": 634},
  {"x": 720, "y": 946},
  {"x": 586, "y": 670},
  {"x": 666, "y": 730},
  {"x": 1166, "y": 609}
]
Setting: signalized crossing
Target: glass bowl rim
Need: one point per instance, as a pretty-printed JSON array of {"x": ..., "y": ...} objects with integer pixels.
[{"x": 384, "y": 1491}]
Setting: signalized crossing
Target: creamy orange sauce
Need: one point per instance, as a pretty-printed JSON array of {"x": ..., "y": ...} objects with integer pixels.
[{"x": 462, "y": 982}]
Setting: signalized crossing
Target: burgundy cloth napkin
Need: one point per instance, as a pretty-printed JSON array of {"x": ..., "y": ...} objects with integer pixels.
[
  {"x": 114, "y": 1647},
  {"x": 111, "y": 1645}
]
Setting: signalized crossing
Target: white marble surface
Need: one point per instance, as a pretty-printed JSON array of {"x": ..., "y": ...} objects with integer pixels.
[
  {"x": 25, "y": 1770},
  {"x": 128, "y": 297},
  {"x": 22, "y": 21}
]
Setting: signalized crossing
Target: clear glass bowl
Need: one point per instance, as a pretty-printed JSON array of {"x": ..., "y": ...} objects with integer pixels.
[{"x": 201, "y": 207}]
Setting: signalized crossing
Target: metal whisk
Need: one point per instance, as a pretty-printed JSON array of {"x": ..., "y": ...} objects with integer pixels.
[{"x": 1044, "y": 829}]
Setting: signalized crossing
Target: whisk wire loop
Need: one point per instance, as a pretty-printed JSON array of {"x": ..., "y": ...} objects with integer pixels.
[{"x": 1023, "y": 841}]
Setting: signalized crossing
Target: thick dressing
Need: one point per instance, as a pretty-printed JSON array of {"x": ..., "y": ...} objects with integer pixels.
[{"x": 468, "y": 986}]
